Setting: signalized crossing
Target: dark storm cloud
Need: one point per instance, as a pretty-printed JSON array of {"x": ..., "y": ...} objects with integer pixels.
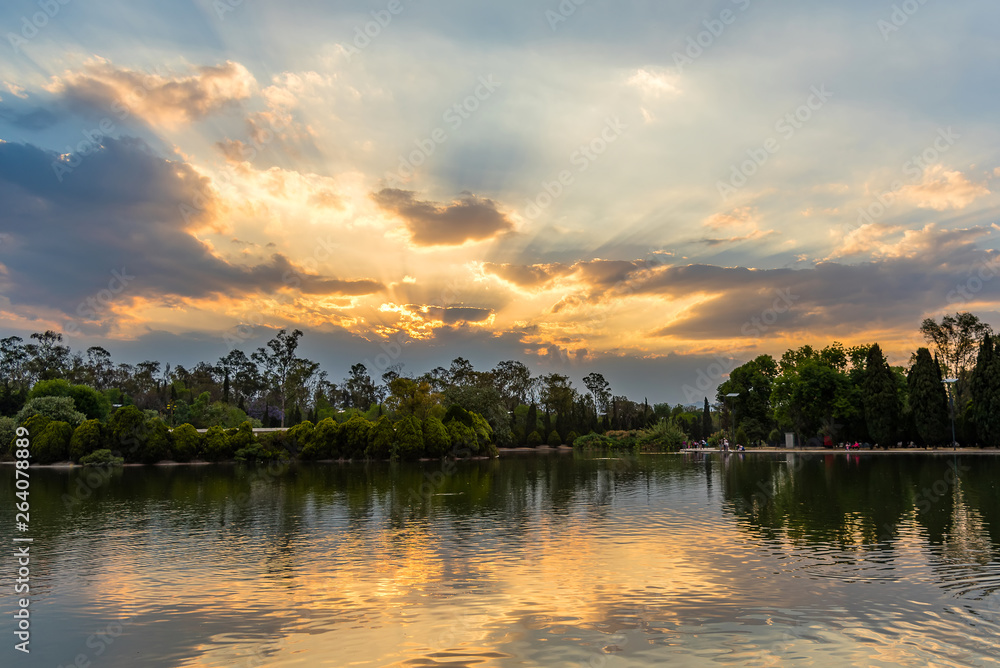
[
  {"x": 468, "y": 218},
  {"x": 120, "y": 209},
  {"x": 459, "y": 314}
]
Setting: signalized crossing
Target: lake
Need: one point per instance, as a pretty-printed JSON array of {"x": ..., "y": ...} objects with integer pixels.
[{"x": 532, "y": 560}]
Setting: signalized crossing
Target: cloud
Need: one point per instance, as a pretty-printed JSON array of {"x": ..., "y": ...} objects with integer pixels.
[
  {"x": 120, "y": 210},
  {"x": 941, "y": 189},
  {"x": 654, "y": 84},
  {"x": 469, "y": 218},
  {"x": 163, "y": 99},
  {"x": 744, "y": 222}
]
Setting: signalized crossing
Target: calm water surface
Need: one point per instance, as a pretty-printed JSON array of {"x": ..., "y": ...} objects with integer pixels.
[{"x": 532, "y": 560}]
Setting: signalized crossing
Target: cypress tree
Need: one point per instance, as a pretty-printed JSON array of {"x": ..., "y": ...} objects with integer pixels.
[
  {"x": 531, "y": 422},
  {"x": 984, "y": 388},
  {"x": 880, "y": 398},
  {"x": 706, "y": 421},
  {"x": 928, "y": 399}
]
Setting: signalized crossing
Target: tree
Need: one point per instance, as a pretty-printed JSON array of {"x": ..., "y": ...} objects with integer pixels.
[
  {"x": 514, "y": 383},
  {"x": 187, "y": 443},
  {"x": 86, "y": 438},
  {"x": 436, "y": 439},
  {"x": 706, "y": 420},
  {"x": 880, "y": 398},
  {"x": 751, "y": 410},
  {"x": 984, "y": 389},
  {"x": 52, "y": 444},
  {"x": 381, "y": 439},
  {"x": 956, "y": 339},
  {"x": 554, "y": 438},
  {"x": 279, "y": 366},
  {"x": 810, "y": 395},
  {"x": 217, "y": 446},
  {"x": 928, "y": 401},
  {"x": 86, "y": 399},
  {"x": 359, "y": 387},
  {"x": 47, "y": 359},
  {"x": 410, "y": 441},
  {"x": 600, "y": 390},
  {"x": 54, "y": 408},
  {"x": 126, "y": 432}
]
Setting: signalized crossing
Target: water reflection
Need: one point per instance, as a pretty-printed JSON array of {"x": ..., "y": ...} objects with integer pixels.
[{"x": 541, "y": 560}]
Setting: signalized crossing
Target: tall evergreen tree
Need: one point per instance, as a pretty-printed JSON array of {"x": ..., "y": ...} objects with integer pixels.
[
  {"x": 880, "y": 398},
  {"x": 984, "y": 390},
  {"x": 706, "y": 421},
  {"x": 928, "y": 399}
]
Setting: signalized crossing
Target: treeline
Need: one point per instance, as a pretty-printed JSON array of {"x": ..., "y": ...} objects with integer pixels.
[
  {"x": 840, "y": 394},
  {"x": 274, "y": 387}
]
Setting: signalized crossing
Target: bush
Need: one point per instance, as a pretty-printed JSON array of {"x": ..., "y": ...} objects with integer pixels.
[
  {"x": 243, "y": 438},
  {"x": 187, "y": 443},
  {"x": 437, "y": 442},
  {"x": 300, "y": 436},
  {"x": 93, "y": 404},
  {"x": 484, "y": 435},
  {"x": 157, "y": 445},
  {"x": 260, "y": 452},
  {"x": 323, "y": 442},
  {"x": 554, "y": 438},
  {"x": 463, "y": 437},
  {"x": 8, "y": 432},
  {"x": 592, "y": 440},
  {"x": 534, "y": 439},
  {"x": 381, "y": 439},
  {"x": 87, "y": 438},
  {"x": 217, "y": 445},
  {"x": 409, "y": 439},
  {"x": 571, "y": 437},
  {"x": 354, "y": 437},
  {"x": 665, "y": 435},
  {"x": 55, "y": 408},
  {"x": 126, "y": 432},
  {"x": 102, "y": 457},
  {"x": 774, "y": 437},
  {"x": 741, "y": 437},
  {"x": 52, "y": 445}
]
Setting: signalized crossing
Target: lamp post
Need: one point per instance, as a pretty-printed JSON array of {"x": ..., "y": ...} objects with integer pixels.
[
  {"x": 951, "y": 401},
  {"x": 732, "y": 424}
]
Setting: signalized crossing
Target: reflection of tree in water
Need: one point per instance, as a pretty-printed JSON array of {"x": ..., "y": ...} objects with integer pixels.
[{"x": 848, "y": 501}]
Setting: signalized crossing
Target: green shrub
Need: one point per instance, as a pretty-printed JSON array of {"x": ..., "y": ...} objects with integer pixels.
[
  {"x": 381, "y": 439},
  {"x": 52, "y": 445},
  {"x": 243, "y": 438},
  {"x": 463, "y": 437},
  {"x": 323, "y": 442},
  {"x": 8, "y": 432},
  {"x": 554, "y": 438},
  {"x": 126, "y": 432},
  {"x": 592, "y": 440},
  {"x": 571, "y": 437},
  {"x": 409, "y": 439},
  {"x": 534, "y": 439},
  {"x": 437, "y": 442},
  {"x": 158, "y": 444},
  {"x": 93, "y": 404},
  {"x": 102, "y": 457},
  {"x": 354, "y": 437},
  {"x": 741, "y": 437},
  {"x": 260, "y": 452},
  {"x": 188, "y": 443},
  {"x": 484, "y": 435},
  {"x": 55, "y": 408},
  {"x": 774, "y": 437},
  {"x": 87, "y": 438},
  {"x": 217, "y": 445},
  {"x": 300, "y": 436}
]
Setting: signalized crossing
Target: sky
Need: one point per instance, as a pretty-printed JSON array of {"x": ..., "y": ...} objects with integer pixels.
[{"x": 654, "y": 191}]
